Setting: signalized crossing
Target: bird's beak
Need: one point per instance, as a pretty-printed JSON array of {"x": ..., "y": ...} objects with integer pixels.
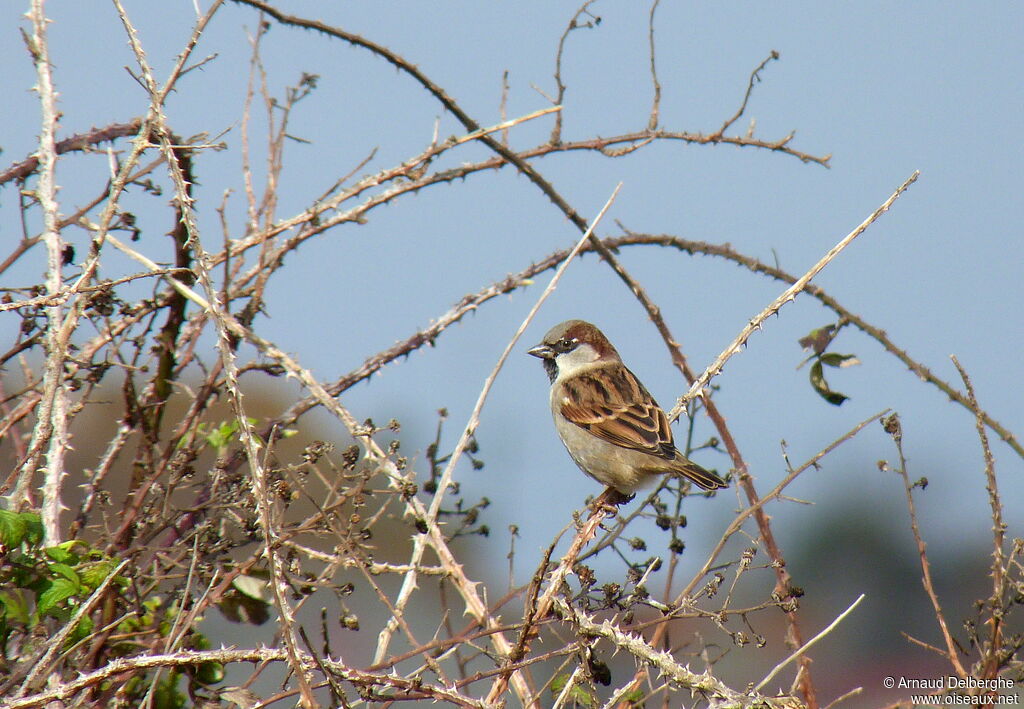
[{"x": 542, "y": 351}]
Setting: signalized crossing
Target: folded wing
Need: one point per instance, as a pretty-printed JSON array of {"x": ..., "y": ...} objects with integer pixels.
[{"x": 617, "y": 408}]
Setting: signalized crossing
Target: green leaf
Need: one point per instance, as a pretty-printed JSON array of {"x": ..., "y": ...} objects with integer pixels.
[
  {"x": 821, "y": 386},
  {"x": 253, "y": 587},
  {"x": 210, "y": 673},
  {"x": 96, "y": 573},
  {"x": 167, "y": 695},
  {"x": 57, "y": 591},
  {"x": 33, "y": 528},
  {"x": 834, "y": 359},
  {"x": 67, "y": 573},
  {"x": 239, "y": 608},
  {"x": 578, "y": 694},
  {"x": 60, "y": 555},
  {"x": 818, "y": 339},
  {"x": 82, "y": 630},
  {"x": 15, "y": 607},
  {"x": 635, "y": 697},
  {"x": 220, "y": 437},
  {"x": 63, "y": 552},
  {"x": 13, "y": 529}
]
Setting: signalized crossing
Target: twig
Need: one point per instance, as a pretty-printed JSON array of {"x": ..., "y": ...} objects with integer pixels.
[
  {"x": 843, "y": 697},
  {"x": 224, "y": 344},
  {"x": 155, "y": 268},
  {"x": 784, "y": 582},
  {"x": 194, "y": 658},
  {"x": 921, "y": 643},
  {"x": 652, "y": 121},
  {"x": 65, "y": 293},
  {"x": 566, "y": 692},
  {"x": 508, "y": 155},
  {"x": 503, "y": 126},
  {"x": 755, "y": 509},
  {"x": 247, "y": 178},
  {"x": 457, "y": 576},
  {"x": 556, "y": 130},
  {"x": 63, "y": 334},
  {"x": 755, "y": 76},
  {"x": 313, "y": 220},
  {"x": 80, "y": 142},
  {"x": 990, "y": 658},
  {"x": 894, "y": 428},
  {"x": 503, "y": 105},
  {"x": 807, "y": 646},
  {"x": 998, "y": 526}
]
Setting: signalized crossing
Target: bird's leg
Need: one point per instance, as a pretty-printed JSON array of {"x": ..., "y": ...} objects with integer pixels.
[{"x": 611, "y": 499}]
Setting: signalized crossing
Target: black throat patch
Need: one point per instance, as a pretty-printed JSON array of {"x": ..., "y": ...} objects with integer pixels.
[{"x": 551, "y": 368}]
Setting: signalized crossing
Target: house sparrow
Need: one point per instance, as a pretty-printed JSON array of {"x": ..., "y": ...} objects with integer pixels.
[{"x": 610, "y": 424}]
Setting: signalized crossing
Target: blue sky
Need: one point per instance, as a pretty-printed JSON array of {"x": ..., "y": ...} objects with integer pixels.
[{"x": 885, "y": 88}]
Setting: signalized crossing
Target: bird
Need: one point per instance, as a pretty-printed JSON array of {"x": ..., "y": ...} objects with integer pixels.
[{"x": 611, "y": 425}]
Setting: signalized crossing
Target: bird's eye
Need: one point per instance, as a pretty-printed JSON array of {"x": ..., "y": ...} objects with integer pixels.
[{"x": 565, "y": 344}]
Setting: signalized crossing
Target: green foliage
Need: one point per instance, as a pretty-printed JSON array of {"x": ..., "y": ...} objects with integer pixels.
[
  {"x": 635, "y": 697},
  {"x": 817, "y": 341},
  {"x": 18, "y": 527},
  {"x": 43, "y": 587},
  {"x": 222, "y": 436},
  {"x": 578, "y": 696},
  {"x": 45, "y": 582},
  {"x": 166, "y": 694},
  {"x": 219, "y": 438}
]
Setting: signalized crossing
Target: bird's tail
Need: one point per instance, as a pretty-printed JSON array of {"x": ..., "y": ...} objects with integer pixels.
[{"x": 704, "y": 478}]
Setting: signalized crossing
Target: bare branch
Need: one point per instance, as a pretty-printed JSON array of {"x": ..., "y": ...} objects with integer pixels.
[
  {"x": 991, "y": 660},
  {"x": 79, "y": 142},
  {"x": 807, "y": 646},
  {"x": 755, "y": 77},
  {"x": 652, "y": 121},
  {"x": 894, "y": 428}
]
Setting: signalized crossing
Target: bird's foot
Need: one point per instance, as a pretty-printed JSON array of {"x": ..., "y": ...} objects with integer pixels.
[{"x": 611, "y": 499}]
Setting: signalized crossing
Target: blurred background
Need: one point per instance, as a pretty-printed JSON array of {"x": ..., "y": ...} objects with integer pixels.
[{"x": 885, "y": 89}]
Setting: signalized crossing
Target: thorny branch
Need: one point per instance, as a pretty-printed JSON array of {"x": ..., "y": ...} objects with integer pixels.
[
  {"x": 51, "y": 429},
  {"x": 218, "y": 514}
]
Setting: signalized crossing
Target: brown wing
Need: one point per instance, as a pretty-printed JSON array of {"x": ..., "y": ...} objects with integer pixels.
[{"x": 614, "y": 406}]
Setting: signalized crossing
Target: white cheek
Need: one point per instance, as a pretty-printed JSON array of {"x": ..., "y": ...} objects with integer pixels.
[{"x": 572, "y": 362}]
